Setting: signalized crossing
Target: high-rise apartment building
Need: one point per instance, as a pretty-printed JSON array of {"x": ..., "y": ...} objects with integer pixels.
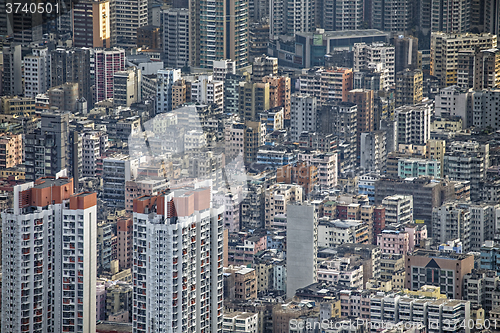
[
  {"x": 253, "y": 98},
  {"x": 94, "y": 145},
  {"x": 302, "y": 246},
  {"x": 391, "y": 15},
  {"x": 125, "y": 241},
  {"x": 327, "y": 167},
  {"x": 222, "y": 68},
  {"x": 194, "y": 8},
  {"x": 427, "y": 194},
  {"x": 12, "y": 84},
  {"x": 413, "y": 124},
  {"x": 179, "y": 93},
  {"x": 231, "y": 93},
  {"x": 165, "y": 81},
  {"x": 484, "y": 110},
  {"x": 107, "y": 62},
  {"x": 479, "y": 69},
  {"x": 483, "y": 219},
  {"x": 47, "y": 150},
  {"x": 340, "y": 15},
  {"x": 489, "y": 255},
  {"x": 277, "y": 12},
  {"x": 467, "y": 161},
  {"x": 177, "y": 266},
  {"x": 244, "y": 321},
  {"x": 255, "y": 133},
  {"x": 75, "y": 157},
  {"x": 258, "y": 10},
  {"x": 373, "y": 153},
  {"x": 264, "y": 66},
  {"x": 398, "y": 209},
  {"x": 11, "y": 150},
  {"x": 280, "y": 196},
  {"x": 205, "y": 90},
  {"x": 117, "y": 170},
  {"x": 452, "y": 221},
  {"x": 26, "y": 26},
  {"x": 64, "y": 97},
  {"x": 74, "y": 65},
  {"x": 416, "y": 167},
  {"x": 406, "y": 53},
  {"x": 126, "y": 18},
  {"x": 145, "y": 184},
  {"x": 327, "y": 84},
  {"x": 445, "y": 48},
  {"x": 148, "y": 37},
  {"x": 252, "y": 206},
  {"x": 234, "y": 134},
  {"x": 127, "y": 86},
  {"x": 5, "y": 29},
  {"x": 303, "y": 115},
  {"x": 477, "y": 286},
  {"x": 363, "y": 98},
  {"x": 36, "y": 72},
  {"x": 374, "y": 77},
  {"x": 258, "y": 36},
  {"x": 34, "y": 82},
  {"x": 340, "y": 119},
  {"x": 302, "y": 173},
  {"x": 492, "y": 17},
  {"x": 279, "y": 92},
  {"x": 291, "y": 17},
  {"x": 236, "y": 33},
  {"x": 450, "y": 16},
  {"x": 375, "y": 53},
  {"x": 409, "y": 87},
  {"x": 91, "y": 24},
  {"x": 222, "y": 32},
  {"x": 453, "y": 101},
  {"x": 49, "y": 259},
  {"x": 176, "y": 37},
  {"x": 424, "y": 307}
]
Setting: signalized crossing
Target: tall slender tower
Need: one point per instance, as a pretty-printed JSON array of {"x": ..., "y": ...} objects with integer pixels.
[
  {"x": 212, "y": 31},
  {"x": 237, "y": 33},
  {"x": 177, "y": 264},
  {"x": 194, "y": 32},
  {"x": 49, "y": 259},
  {"x": 302, "y": 246},
  {"x": 176, "y": 47},
  {"x": 222, "y": 27}
]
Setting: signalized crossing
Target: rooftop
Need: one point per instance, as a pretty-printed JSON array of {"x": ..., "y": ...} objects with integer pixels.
[
  {"x": 345, "y": 33},
  {"x": 105, "y": 327},
  {"x": 439, "y": 255},
  {"x": 49, "y": 182},
  {"x": 239, "y": 315}
]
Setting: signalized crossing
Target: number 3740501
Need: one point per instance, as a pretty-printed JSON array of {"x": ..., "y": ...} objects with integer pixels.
[
  {"x": 470, "y": 324},
  {"x": 32, "y": 8}
]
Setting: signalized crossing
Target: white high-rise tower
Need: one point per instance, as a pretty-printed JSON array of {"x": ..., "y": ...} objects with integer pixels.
[
  {"x": 177, "y": 269},
  {"x": 49, "y": 259}
]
